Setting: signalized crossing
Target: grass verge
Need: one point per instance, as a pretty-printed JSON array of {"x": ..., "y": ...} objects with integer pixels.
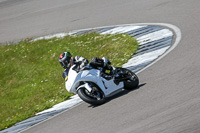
[{"x": 30, "y": 74}]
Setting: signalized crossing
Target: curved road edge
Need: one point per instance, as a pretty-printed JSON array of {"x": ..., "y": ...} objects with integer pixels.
[{"x": 75, "y": 101}]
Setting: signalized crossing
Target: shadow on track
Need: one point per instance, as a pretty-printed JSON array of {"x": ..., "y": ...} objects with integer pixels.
[{"x": 122, "y": 93}]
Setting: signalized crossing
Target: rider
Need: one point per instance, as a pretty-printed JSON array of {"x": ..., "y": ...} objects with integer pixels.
[{"x": 66, "y": 60}]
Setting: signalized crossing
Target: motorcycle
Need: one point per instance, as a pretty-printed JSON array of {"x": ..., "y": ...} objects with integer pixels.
[{"x": 95, "y": 85}]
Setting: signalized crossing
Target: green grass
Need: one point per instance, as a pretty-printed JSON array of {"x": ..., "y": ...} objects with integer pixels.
[{"x": 31, "y": 76}]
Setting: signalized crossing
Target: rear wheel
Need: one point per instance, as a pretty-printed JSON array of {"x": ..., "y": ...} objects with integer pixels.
[
  {"x": 95, "y": 97},
  {"x": 132, "y": 80}
]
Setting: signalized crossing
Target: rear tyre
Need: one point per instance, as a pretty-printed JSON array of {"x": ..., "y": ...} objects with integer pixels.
[
  {"x": 96, "y": 97},
  {"x": 132, "y": 82}
]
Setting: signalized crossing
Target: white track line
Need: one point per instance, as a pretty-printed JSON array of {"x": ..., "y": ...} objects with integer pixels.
[{"x": 122, "y": 29}]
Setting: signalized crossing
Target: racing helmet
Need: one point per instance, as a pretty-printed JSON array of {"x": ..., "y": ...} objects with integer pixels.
[{"x": 65, "y": 59}]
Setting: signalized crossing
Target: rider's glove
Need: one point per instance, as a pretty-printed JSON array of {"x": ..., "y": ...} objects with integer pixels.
[{"x": 84, "y": 63}]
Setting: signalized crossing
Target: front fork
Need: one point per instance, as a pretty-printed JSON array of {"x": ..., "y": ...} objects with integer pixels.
[
  {"x": 93, "y": 92},
  {"x": 85, "y": 85}
]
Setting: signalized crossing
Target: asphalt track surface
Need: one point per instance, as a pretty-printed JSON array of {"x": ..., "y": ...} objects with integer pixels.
[{"x": 168, "y": 100}]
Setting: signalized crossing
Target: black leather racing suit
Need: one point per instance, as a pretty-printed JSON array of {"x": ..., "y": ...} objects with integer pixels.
[{"x": 95, "y": 63}]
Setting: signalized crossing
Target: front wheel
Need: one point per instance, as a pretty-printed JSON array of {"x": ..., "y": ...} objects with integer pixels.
[
  {"x": 132, "y": 82},
  {"x": 95, "y": 97}
]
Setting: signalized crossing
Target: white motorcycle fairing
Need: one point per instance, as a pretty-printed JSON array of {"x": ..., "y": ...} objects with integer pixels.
[{"x": 108, "y": 87}]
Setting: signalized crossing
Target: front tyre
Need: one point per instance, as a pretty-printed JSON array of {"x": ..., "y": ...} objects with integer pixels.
[
  {"x": 96, "y": 97},
  {"x": 132, "y": 82}
]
